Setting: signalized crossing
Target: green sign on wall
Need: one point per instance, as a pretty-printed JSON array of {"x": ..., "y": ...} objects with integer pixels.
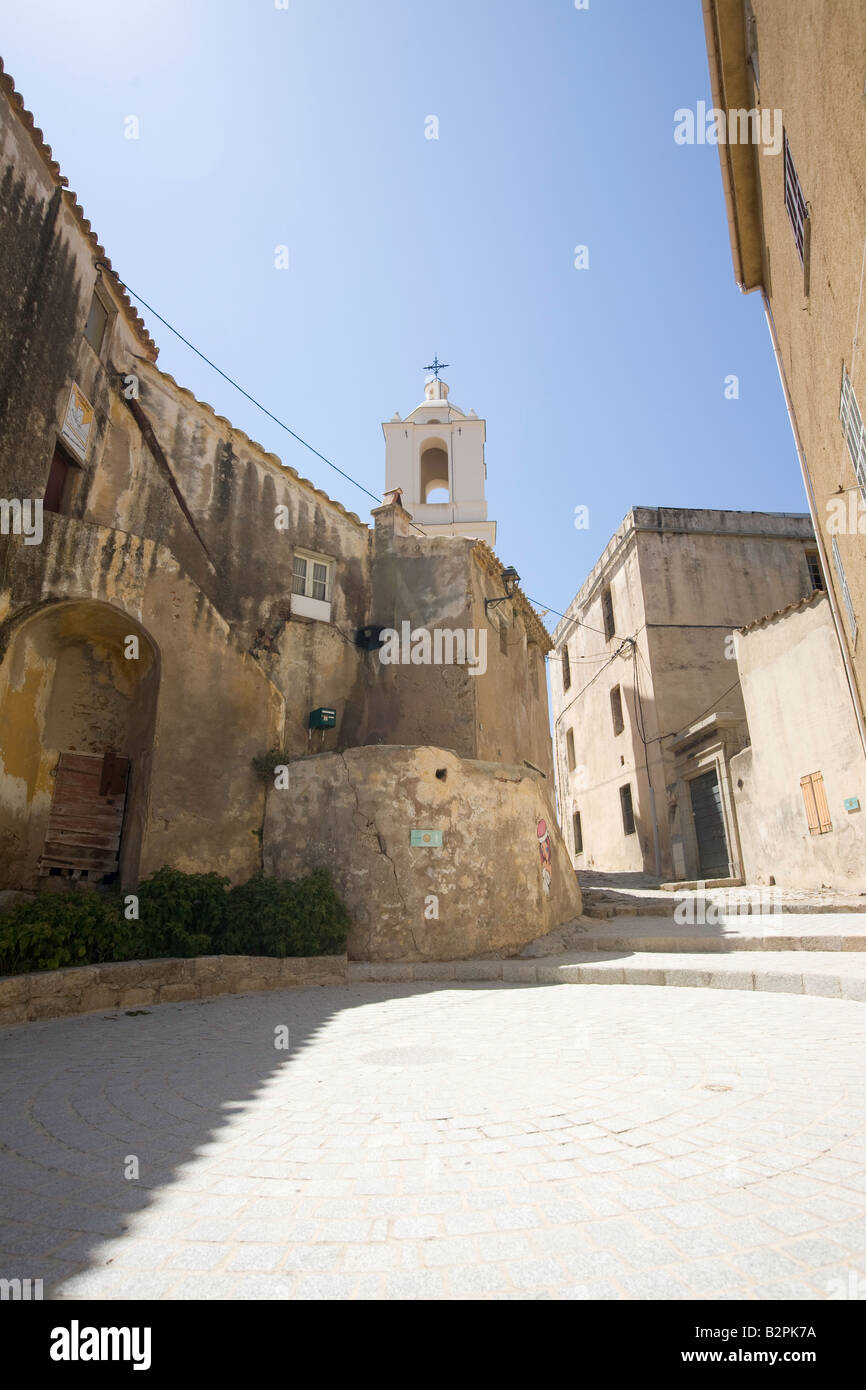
[{"x": 426, "y": 839}]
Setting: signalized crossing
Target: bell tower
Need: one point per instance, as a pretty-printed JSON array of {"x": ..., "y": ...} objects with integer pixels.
[{"x": 436, "y": 457}]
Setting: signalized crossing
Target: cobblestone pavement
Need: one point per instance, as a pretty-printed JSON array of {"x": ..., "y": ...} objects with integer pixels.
[{"x": 457, "y": 1141}]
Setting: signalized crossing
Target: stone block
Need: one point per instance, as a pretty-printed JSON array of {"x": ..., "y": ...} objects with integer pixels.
[
  {"x": 134, "y": 998},
  {"x": 688, "y": 979},
  {"x": 732, "y": 979},
  {"x": 13, "y": 990},
  {"x": 600, "y": 975},
  {"x": 478, "y": 970},
  {"x": 518, "y": 972},
  {"x": 435, "y": 970},
  {"x": 95, "y": 996},
  {"x": 778, "y": 982},
  {"x": 830, "y": 986},
  {"x": 178, "y": 992},
  {"x": 10, "y": 1014}
]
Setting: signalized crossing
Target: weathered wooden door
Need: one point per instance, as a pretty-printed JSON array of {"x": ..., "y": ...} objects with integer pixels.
[
  {"x": 709, "y": 825},
  {"x": 86, "y": 818}
]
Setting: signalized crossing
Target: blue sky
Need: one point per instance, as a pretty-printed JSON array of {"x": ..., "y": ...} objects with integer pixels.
[{"x": 305, "y": 127}]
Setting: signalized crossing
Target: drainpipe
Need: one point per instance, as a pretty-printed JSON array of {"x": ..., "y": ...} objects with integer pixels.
[{"x": 813, "y": 512}]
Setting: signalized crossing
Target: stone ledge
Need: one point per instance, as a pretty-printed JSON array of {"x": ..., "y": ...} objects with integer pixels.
[
  {"x": 727, "y": 971},
  {"x": 136, "y": 984}
]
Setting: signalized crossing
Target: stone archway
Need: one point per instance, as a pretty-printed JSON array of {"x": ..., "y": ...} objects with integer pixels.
[{"x": 79, "y": 682}]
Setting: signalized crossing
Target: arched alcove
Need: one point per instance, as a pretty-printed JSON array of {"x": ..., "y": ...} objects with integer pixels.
[
  {"x": 434, "y": 471},
  {"x": 78, "y": 692}
]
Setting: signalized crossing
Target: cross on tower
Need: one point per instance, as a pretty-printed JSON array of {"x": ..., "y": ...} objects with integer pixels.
[{"x": 436, "y": 367}]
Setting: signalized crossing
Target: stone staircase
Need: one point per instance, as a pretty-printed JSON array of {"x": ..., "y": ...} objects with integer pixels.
[{"x": 810, "y": 947}]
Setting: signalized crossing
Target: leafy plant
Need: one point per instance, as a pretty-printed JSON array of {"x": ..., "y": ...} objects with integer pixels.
[
  {"x": 179, "y": 915},
  {"x": 277, "y": 917},
  {"x": 62, "y": 929}
]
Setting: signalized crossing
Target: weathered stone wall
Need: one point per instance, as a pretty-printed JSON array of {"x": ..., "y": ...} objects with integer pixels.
[
  {"x": 137, "y": 984},
  {"x": 212, "y": 711},
  {"x": 352, "y": 813},
  {"x": 168, "y": 530}
]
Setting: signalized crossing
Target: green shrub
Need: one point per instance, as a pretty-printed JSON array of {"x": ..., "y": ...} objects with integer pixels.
[
  {"x": 276, "y": 917},
  {"x": 60, "y": 929},
  {"x": 179, "y": 915}
]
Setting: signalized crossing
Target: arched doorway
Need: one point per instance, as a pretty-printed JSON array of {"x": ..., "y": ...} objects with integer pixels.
[{"x": 78, "y": 690}]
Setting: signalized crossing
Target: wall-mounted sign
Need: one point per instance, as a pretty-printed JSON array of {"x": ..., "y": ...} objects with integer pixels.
[
  {"x": 77, "y": 423},
  {"x": 851, "y": 803},
  {"x": 426, "y": 839}
]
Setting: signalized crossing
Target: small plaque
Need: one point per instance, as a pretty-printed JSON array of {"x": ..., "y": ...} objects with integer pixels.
[
  {"x": 77, "y": 423},
  {"x": 852, "y": 803},
  {"x": 426, "y": 839}
]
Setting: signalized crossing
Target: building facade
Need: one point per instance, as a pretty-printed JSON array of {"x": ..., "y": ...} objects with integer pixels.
[
  {"x": 796, "y": 207},
  {"x": 648, "y": 709},
  {"x": 178, "y": 607},
  {"x": 799, "y": 789}
]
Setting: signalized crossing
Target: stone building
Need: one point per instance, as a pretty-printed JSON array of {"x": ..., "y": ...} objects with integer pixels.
[
  {"x": 648, "y": 709},
  {"x": 793, "y": 162},
  {"x": 175, "y": 603},
  {"x": 799, "y": 789}
]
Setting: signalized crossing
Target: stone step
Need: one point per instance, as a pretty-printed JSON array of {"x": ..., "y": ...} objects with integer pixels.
[
  {"x": 831, "y": 975},
  {"x": 777, "y": 932}
]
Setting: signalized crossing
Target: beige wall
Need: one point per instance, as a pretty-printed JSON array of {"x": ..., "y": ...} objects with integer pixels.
[
  {"x": 812, "y": 73},
  {"x": 484, "y": 890},
  {"x": 800, "y": 722},
  {"x": 681, "y": 581}
]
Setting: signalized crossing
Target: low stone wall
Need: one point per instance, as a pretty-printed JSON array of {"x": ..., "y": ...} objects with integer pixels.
[{"x": 133, "y": 984}]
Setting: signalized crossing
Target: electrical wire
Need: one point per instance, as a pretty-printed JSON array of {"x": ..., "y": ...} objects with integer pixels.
[{"x": 101, "y": 265}]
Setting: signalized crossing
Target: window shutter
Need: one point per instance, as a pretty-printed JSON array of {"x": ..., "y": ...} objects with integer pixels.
[{"x": 815, "y": 801}]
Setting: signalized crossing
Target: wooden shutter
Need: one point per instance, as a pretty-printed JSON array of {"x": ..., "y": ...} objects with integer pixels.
[{"x": 815, "y": 801}]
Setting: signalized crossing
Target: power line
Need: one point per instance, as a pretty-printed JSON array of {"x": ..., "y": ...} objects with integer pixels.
[
  {"x": 577, "y": 621},
  {"x": 101, "y": 265},
  {"x": 225, "y": 376}
]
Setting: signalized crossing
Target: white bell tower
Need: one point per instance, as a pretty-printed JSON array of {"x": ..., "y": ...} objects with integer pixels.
[{"x": 436, "y": 457}]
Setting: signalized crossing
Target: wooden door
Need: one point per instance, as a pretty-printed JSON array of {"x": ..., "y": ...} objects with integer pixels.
[{"x": 86, "y": 818}]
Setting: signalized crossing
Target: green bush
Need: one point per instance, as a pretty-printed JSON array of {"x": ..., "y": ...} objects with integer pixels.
[
  {"x": 276, "y": 917},
  {"x": 60, "y": 929},
  {"x": 179, "y": 915}
]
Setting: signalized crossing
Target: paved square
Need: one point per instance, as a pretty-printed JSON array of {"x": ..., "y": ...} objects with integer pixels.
[{"x": 441, "y": 1141}]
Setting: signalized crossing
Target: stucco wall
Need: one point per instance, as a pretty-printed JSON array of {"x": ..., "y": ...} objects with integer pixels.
[
  {"x": 800, "y": 721},
  {"x": 352, "y": 813},
  {"x": 681, "y": 581},
  {"x": 811, "y": 78}
]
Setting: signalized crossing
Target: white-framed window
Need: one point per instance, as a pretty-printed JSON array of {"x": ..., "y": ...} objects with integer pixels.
[
  {"x": 843, "y": 585},
  {"x": 854, "y": 430},
  {"x": 795, "y": 202},
  {"x": 312, "y": 585}
]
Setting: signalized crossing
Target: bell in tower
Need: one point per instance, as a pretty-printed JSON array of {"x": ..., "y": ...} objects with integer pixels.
[{"x": 435, "y": 456}]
